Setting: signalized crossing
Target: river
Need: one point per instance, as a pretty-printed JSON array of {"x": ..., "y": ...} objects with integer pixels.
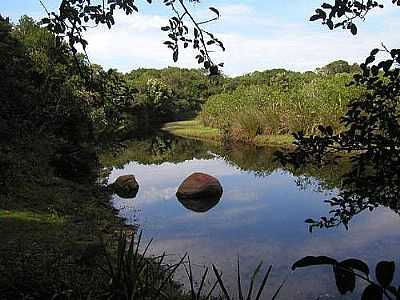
[{"x": 260, "y": 217}]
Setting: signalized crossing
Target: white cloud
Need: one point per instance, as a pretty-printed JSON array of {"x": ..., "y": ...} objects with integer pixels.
[{"x": 253, "y": 42}]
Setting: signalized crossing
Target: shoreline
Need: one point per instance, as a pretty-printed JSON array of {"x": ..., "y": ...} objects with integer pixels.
[{"x": 193, "y": 129}]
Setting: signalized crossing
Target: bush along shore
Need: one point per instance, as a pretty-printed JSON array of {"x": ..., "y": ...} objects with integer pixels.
[{"x": 266, "y": 106}]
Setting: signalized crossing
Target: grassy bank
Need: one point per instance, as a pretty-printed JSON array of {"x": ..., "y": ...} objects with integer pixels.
[
  {"x": 47, "y": 224},
  {"x": 195, "y": 129},
  {"x": 282, "y": 103}
]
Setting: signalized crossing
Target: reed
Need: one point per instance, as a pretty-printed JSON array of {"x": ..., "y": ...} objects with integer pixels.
[{"x": 281, "y": 108}]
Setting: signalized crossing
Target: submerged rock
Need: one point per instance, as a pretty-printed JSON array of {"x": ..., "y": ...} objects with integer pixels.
[
  {"x": 126, "y": 186},
  {"x": 199, "y": 192}
]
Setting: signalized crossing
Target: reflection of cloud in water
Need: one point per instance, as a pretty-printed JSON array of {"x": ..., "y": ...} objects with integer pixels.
[
  {"x": 151, "y": 196},
  {"x": 225, "y": 218},
  {"x": 155, "y": 194},
  {"x": 240, "y": 195},
  {"x": 224, "y": 255},
  {"x": 167, "y": 172},
  {"x": 260, "y": 218},
  {"x": 371, "y": 243}
]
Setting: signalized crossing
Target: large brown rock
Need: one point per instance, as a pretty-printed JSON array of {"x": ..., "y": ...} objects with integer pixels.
[
  {"x": 199, "y": 185},
  {"x": 126, "y": 186}
]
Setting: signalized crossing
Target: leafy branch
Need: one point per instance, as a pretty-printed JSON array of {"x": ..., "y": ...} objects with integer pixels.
[
  {"x": 201, "y": 39},
  {"x": 77, "y": 16},
  {"x": 344, "y": 13},
  {"x": 348, "y": 270}
]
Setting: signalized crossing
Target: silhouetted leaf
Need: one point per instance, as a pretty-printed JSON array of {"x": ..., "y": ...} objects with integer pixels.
[
  {"x": 313, "y": 261},
  {"x": 384, "y": 272},
  {"x": 374, "y": 52},
  {"x": 345, "y": 279},
  {"x": 175, "y": 56},
  {"x": 356, "y": 264},
  {"x": 213, "y": 9},
  {"x": 330, "y": 24},
  {"x": 326, "y": 6},
  {"x": 353, "y": 29},
  {"x": 369, "y": 59},
  {"x": 315, "y": 17},
  {"x": 372, "y": 292}
]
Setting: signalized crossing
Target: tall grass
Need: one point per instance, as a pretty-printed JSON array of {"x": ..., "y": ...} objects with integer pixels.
[
  {"x": 281, "y": 107},
  {"x": 134, "y": 275}
]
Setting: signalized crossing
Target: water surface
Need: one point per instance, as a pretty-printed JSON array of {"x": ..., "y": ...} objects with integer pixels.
[{"x": 259, "y": 217}]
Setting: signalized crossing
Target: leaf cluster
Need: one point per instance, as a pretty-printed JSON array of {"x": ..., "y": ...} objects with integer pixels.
[{"x": 347, "y": 271}]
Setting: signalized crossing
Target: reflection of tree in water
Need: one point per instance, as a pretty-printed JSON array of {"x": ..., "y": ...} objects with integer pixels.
[
  {"x": 308, "y": 183},
  {"x": 260, "y": 161},
  {"x": 371, "y": 135},
  {"x": 365, "y": 188},
  {"x": 156, "y": 149},
  {"x": 362, "y": 186},
  {"x": 366, "y": 181},
  {"x": 256, "y": 160}
]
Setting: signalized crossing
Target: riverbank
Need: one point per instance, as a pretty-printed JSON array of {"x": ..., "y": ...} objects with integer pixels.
[
  {"x": 62, "y": 239},
  {"x": 48, "y": 225},
  {"x": 194, "y": 129}
]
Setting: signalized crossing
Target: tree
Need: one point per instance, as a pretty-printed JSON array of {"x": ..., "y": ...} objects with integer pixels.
[
  {"x": 372, "y": 129},
  {"x": 337, "y": 67}
]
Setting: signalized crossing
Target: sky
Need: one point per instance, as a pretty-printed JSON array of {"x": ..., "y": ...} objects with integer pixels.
[{"x": 258, "y": 35}]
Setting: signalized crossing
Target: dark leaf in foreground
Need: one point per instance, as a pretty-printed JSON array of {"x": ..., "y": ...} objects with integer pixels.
[{"x": 313, "y": 261}]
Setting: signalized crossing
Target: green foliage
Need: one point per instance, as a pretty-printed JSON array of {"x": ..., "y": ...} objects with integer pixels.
[
  {"x": 337, "y": 67},
  {"x": 283, "y": 103},
  {"x": 371, "y": 133},
  {"x": 111, "y": 103},
  {"x": 181, "y": 92},
  {"x": 193, "y": 129},
  {"x": 135, "y": 276}
]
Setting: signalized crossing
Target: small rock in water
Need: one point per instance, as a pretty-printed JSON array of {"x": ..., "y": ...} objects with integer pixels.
[{"x": 126, "y": 186}]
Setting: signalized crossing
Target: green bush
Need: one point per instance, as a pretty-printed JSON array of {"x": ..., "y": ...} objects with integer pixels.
[{"x": 283, "y": 104}]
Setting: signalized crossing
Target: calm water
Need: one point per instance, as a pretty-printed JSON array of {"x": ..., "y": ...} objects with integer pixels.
[{"x": 259, "y": 217}]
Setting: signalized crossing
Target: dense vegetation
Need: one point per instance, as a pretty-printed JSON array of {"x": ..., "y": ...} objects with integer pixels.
[
  {"x": 169, "y": 94},
  {"x": 52, "y": 119},
  {"x": 281, "y": 102}
]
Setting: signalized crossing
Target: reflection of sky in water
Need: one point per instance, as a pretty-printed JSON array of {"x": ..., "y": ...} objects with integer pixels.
[{"x": 260, "y": 218}]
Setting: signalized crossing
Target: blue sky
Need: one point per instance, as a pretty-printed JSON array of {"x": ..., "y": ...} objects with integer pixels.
[{"x": 258, "y": 35}]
